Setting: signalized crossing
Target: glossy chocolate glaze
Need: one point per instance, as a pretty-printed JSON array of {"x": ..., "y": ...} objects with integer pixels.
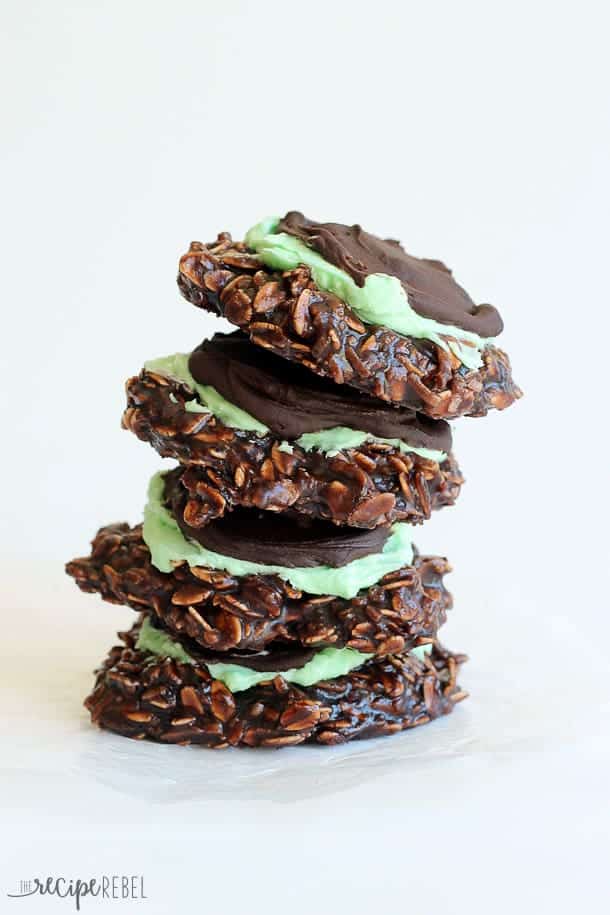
[
  {"x": 429, "y": 284},
  {"x": 282, "y": 656},
  {"x": 273, "y": 539},
  {"x": 292, "y": 401}
]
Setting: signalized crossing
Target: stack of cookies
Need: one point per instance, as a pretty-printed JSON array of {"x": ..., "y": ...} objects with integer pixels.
[{"x": 280, "y": 596}]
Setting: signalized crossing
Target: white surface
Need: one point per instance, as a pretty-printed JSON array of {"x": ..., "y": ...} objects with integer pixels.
[{"x": 475, "y": 132}]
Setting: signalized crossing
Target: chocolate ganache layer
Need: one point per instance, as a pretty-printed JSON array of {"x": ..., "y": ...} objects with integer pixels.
[
  {"x": 432, "y": 292},
  {"x": 274, "y": 539},
  {"x": 292, "y": 401},
  {"x": 283, "y": 656}
]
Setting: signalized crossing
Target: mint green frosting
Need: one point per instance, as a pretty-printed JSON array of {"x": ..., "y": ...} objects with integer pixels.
[
  {"x": 334, "y": 440},
  {"x": 177, "y": 366},
  {"x": 382, "y": 299},
  {"x": 326, "y": 664},
  {"x": 168, "y": 546},
  {"x": 157, "y": 642},
  {"x": 210, "y": 400}
]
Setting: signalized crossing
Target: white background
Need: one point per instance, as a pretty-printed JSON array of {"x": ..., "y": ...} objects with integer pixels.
[{"x": 477, "y": 132}]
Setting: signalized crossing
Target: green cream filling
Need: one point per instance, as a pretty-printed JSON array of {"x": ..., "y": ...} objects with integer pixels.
[
  {"x": 334, "y": 440},
  {"x": 326, "y": 664},
  {"x": 382, "y": 300},
  {"x": 168, "y": 546},
  {"x": 210, "y": 400}
]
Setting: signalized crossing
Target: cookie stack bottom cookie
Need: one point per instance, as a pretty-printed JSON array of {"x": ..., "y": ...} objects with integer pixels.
[
  {"x": 144, "y": 695},
  {"x": 264, "y": 630}
]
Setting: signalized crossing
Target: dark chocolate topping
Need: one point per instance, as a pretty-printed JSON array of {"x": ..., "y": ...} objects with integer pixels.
[
  {"x": 429, "y": 284},
  {"x": 291, "y": 400},
  {"x": 282, "y": 656},
  {"x": 273, "y": 539}
]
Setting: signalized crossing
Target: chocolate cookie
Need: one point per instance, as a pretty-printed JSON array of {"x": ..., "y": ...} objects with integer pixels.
[
  {"x": 225, "y": 612},
  {"x": 376, "y": 481},
  {"x": 142, "y": 695},
  {"x": 289, "y": 313}
]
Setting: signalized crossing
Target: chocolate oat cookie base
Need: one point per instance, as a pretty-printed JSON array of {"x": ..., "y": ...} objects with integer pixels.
[
  {"x": 222, "y": 612},
  {"x": 288, "y": 314},
  {"x": 361, "y": 487},
  {"x": 142, "y": 696}
]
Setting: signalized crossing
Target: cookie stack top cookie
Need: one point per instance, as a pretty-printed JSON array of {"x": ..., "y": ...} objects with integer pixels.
[
  {"x": 356, "y": 309},
  {"x": 275, "y": 566}
]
